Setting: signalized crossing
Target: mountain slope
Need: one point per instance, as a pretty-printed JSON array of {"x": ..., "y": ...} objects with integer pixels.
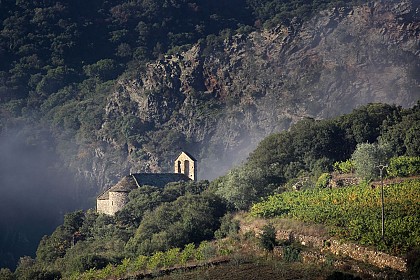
[{"x": 221, "y": 97}]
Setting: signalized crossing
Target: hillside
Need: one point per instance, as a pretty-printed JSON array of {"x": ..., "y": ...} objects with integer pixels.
[
  {"x": 312, "y": 234},
  {"x": 218, "y": 95},
  {"x": 287, "y": 177},
  {"x": 91, "y": 91},
  {"x": 339, "y": 209},
  {"x": 223, "y": 95}
]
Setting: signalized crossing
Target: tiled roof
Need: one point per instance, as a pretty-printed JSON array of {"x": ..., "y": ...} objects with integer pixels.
[
  {"x": 159, "y": 179},
  {"x": 128, "y": 183},
  {"x": 104, "y": 195}
]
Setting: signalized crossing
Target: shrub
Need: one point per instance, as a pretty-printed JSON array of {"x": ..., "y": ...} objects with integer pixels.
[
  {"x": 87, "y": 275},
  {"x": 404, "y": 166},
  {"x": 268, "y": 237},
  {"x": 26, "y": 267},
  {"x": 6, "y": 274},
  {"x": 106, "y": 272},
  {"x": 344, "y": 166},
  {"x": 228, "y": 227},
  {"x": 156, "y": 261},
  {"x": 323, "y": 180},
  {"x": 188, "y": 253},
  {"x": 122, "y": 269},
  {"x": 171, "y": 257},
  {"x": 39, "y": 274},
  {"x": 140, "y": 263},
  {"x": 291, "y": 253},
  {"x": 205, "y": 251}
]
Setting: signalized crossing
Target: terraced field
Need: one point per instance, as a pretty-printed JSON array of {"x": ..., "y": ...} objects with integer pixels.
[{"x": 354, "y": 213}]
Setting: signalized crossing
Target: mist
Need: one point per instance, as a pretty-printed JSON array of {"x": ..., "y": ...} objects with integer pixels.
[
  {"x": 218, "y": 163},
  {"x": 36, "y": 191}
]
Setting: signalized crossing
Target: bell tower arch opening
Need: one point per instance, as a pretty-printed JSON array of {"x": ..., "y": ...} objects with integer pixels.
[
  {"x": 178, "y": 170},
  {"x": 187, "y": 168}
]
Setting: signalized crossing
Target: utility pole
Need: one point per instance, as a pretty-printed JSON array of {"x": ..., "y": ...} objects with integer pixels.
[{"x": 381, "y": 168}]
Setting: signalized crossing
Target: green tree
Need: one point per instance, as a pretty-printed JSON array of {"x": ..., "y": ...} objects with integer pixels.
[
  {"x": 54, "y": 80},
  {"x": 190, "y": 218},
  {"x": 243, "y": 185},
  {"x": 141, "y": 200},
  {"x": 147, "y": 198},
  {"x": 85, "y": 262},
  {"x": 274, "y": 153},
  {"x": 309, "y": 146},
  {"x": 367, "y": 157},
  {"x": 6, "y": 274},
  {"x": 401, "y": 132},
  {"x": 412, "y": 139},
  {"x": 26, "y": 268},
  {"x": 53, "y": 247},
  {"x": 73, "y": 221},
  {"x": 364, "y": 124},
  {"x": 104, "y": 69}
]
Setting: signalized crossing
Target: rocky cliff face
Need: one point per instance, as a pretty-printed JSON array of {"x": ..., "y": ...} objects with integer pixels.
[{"x": 219, "y": 99}]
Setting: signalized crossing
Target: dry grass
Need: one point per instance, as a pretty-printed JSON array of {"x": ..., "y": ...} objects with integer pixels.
[{"x": 250, "y": 223}]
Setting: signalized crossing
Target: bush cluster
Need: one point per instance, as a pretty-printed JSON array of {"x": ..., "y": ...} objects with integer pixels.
[
  {"x": 404, "y": 166},
  {"x": 153, "y": 223}
]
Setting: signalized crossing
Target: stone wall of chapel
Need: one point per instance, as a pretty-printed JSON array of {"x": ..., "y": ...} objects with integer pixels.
[
  {"x": 117, "y": 200},
  {"x": 102, "y": 206}
]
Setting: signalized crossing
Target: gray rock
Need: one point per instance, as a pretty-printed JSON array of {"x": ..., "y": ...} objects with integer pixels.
[{"x": 225, "y": 101}]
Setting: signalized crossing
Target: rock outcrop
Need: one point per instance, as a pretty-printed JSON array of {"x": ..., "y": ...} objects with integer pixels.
[{"x": 221, "y": 98}]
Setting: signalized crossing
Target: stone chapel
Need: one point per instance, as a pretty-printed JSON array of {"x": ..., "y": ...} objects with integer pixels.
[{"x": 116, "y": 197}]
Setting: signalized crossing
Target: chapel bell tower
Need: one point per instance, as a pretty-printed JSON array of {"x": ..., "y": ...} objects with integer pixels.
[{"x": 186, "y": 164}]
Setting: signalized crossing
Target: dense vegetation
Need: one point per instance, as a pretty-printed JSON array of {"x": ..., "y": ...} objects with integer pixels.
[
  {"x": 154, "y": 220},
  {"x": 62, "y": 59},
  {"x": 165, "y": 220},
  {"x": 141, "y": 265},
  {"x": 312, "y": 147},
  {"x": 47, "y": 46},
  {"x": 341, "y": 210}
]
